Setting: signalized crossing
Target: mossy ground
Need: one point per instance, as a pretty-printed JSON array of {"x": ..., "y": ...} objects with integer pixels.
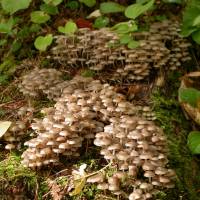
[{"x": 171, "y": 118}]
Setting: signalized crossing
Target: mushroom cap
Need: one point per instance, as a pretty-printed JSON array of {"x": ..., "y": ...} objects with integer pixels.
[
  {"x": 98, "y": 178},
  {"x": 164, "y": 179},
  {"x": 148, "y": 166},
  {"x": 149, "y": 174},
  {"x": 122, "y": 155},
  {"x": 114, "y": 147},
  {"x": 102, "y": 186},
  {"x": 10, "y": 146}
]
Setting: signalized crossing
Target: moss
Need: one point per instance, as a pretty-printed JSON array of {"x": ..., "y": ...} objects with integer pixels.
[
  {"x": 13, "y": 174},
  {"x": 170, "y": 117}
]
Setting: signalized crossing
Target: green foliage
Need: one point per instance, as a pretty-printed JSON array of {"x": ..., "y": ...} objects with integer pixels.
[
  {"x": 6, "y": 26},
  {"x": 189, "y": 95},
  {"x": 69, "y": 29},
  {"x": 111, "y": 7},
  {"x": 191, "y": 21},
  {"x": 124, "y": 30},
  {"x": 41, "y": 43},
  {"x": 49, "y": 9},
  {"x": 39, "y": 17},
  {"x": 196, "y": 36},
  {"x": 171, "y": 119},
  {"x": 194, "y": 142},
  {"x": 134, "y": 10},
  {"x": 53, "y": 2},
  {"x": 173, "y": 1},
  {"x": 125, "y": 27},
  {"x": 73, "y": 5},
  {"x": 4, "y": 79},
  {"x": 12, "y": 6},
  {"x": 101, "y": 22},
  {"x": 89, "y": 3},
  {"x": 8, "y": 66},
  {"x": 133, "y": 44}
]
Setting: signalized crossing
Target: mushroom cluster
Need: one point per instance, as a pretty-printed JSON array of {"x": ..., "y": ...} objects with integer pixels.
[
  {"x": 81, "y": 111},
  {"x": 14, "y": 134},
  {"x": 160, "y": 47},
  {"x": 18, "y": 129},
  {"x": 138, "y": 148},
  {"x": 39, "y": 81},
  {"x": 89, "y": 110}
]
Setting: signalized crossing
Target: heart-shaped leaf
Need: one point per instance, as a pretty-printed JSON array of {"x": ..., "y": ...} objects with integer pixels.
[
  {"x": 69, "y": 28},
  {"x": 50, "y": 9},
  {"x": 194, "y": 142},
  {"x": 125, "y": 39},
  {"x": 39, "y": 17},
  {"x": 89, "y": 3},
  {"x": 6, "y": 27},
  {"x": 73, "y": 5},
  {"x": 133, "y": 44},
  {"x": 12, "y": 6},
  {"x": 111, "y": 7},
  {"x": 42, "y": 42},
  {"x": 189, "y": 95},
  {"x": 4, "y": 126},
  {"x": 134, "y": 10},
  {"x": 125, "y": 27},
  {"x": 101, "y": 22}
]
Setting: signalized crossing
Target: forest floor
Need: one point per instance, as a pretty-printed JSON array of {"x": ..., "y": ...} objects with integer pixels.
[{"x": 18, "y": 182}]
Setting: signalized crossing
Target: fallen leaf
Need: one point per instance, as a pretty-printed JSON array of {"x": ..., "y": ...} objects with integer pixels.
[
  {"x": 83, "y": 23},
  {"x": 4, "y": 126},
  {"x": 79, "y": 185}
]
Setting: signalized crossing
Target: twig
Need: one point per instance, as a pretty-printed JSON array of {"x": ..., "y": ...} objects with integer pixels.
[{"x": 36, "y": 191}]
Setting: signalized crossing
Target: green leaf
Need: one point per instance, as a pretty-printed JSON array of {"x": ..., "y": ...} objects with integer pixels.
[
  {"x": 53, "y": 2},
  {"x": 41, "y": 43},
  {"x": 72, "y": 5},
  {"x": 6, "y": 27},
  {"x": 196, "y": 21},
  {"x": 89, "y": 3},
  {"x": 34, "y": 28},
  {"x": 79, "y": 185},
  {"x": 173, "y": 1},
  {"x": 134, "y": 10},
  {"x": 196, "y": 36},
  {"x": 39, "y": 17},
  {"x": 191, "y": 13},
  {"x": 194, "y": 142},
  {"x": 69, "y": 28},
  {"x": 189, "y": 95},
  {"x": 101, "y": 22},
  {"x": 49, "y": 9},
  {"x": 125, "y": 27},
  {"x": 125, "y": 39},
  {"x": 4, "y": 126},
  {"x": 133, "y": 44},
  {"x": 111, "y": 7},
  {"x": 12, "y": 6}
]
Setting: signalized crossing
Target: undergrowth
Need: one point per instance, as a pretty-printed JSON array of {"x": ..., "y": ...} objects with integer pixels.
[{"x": 171, "y": 118}]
